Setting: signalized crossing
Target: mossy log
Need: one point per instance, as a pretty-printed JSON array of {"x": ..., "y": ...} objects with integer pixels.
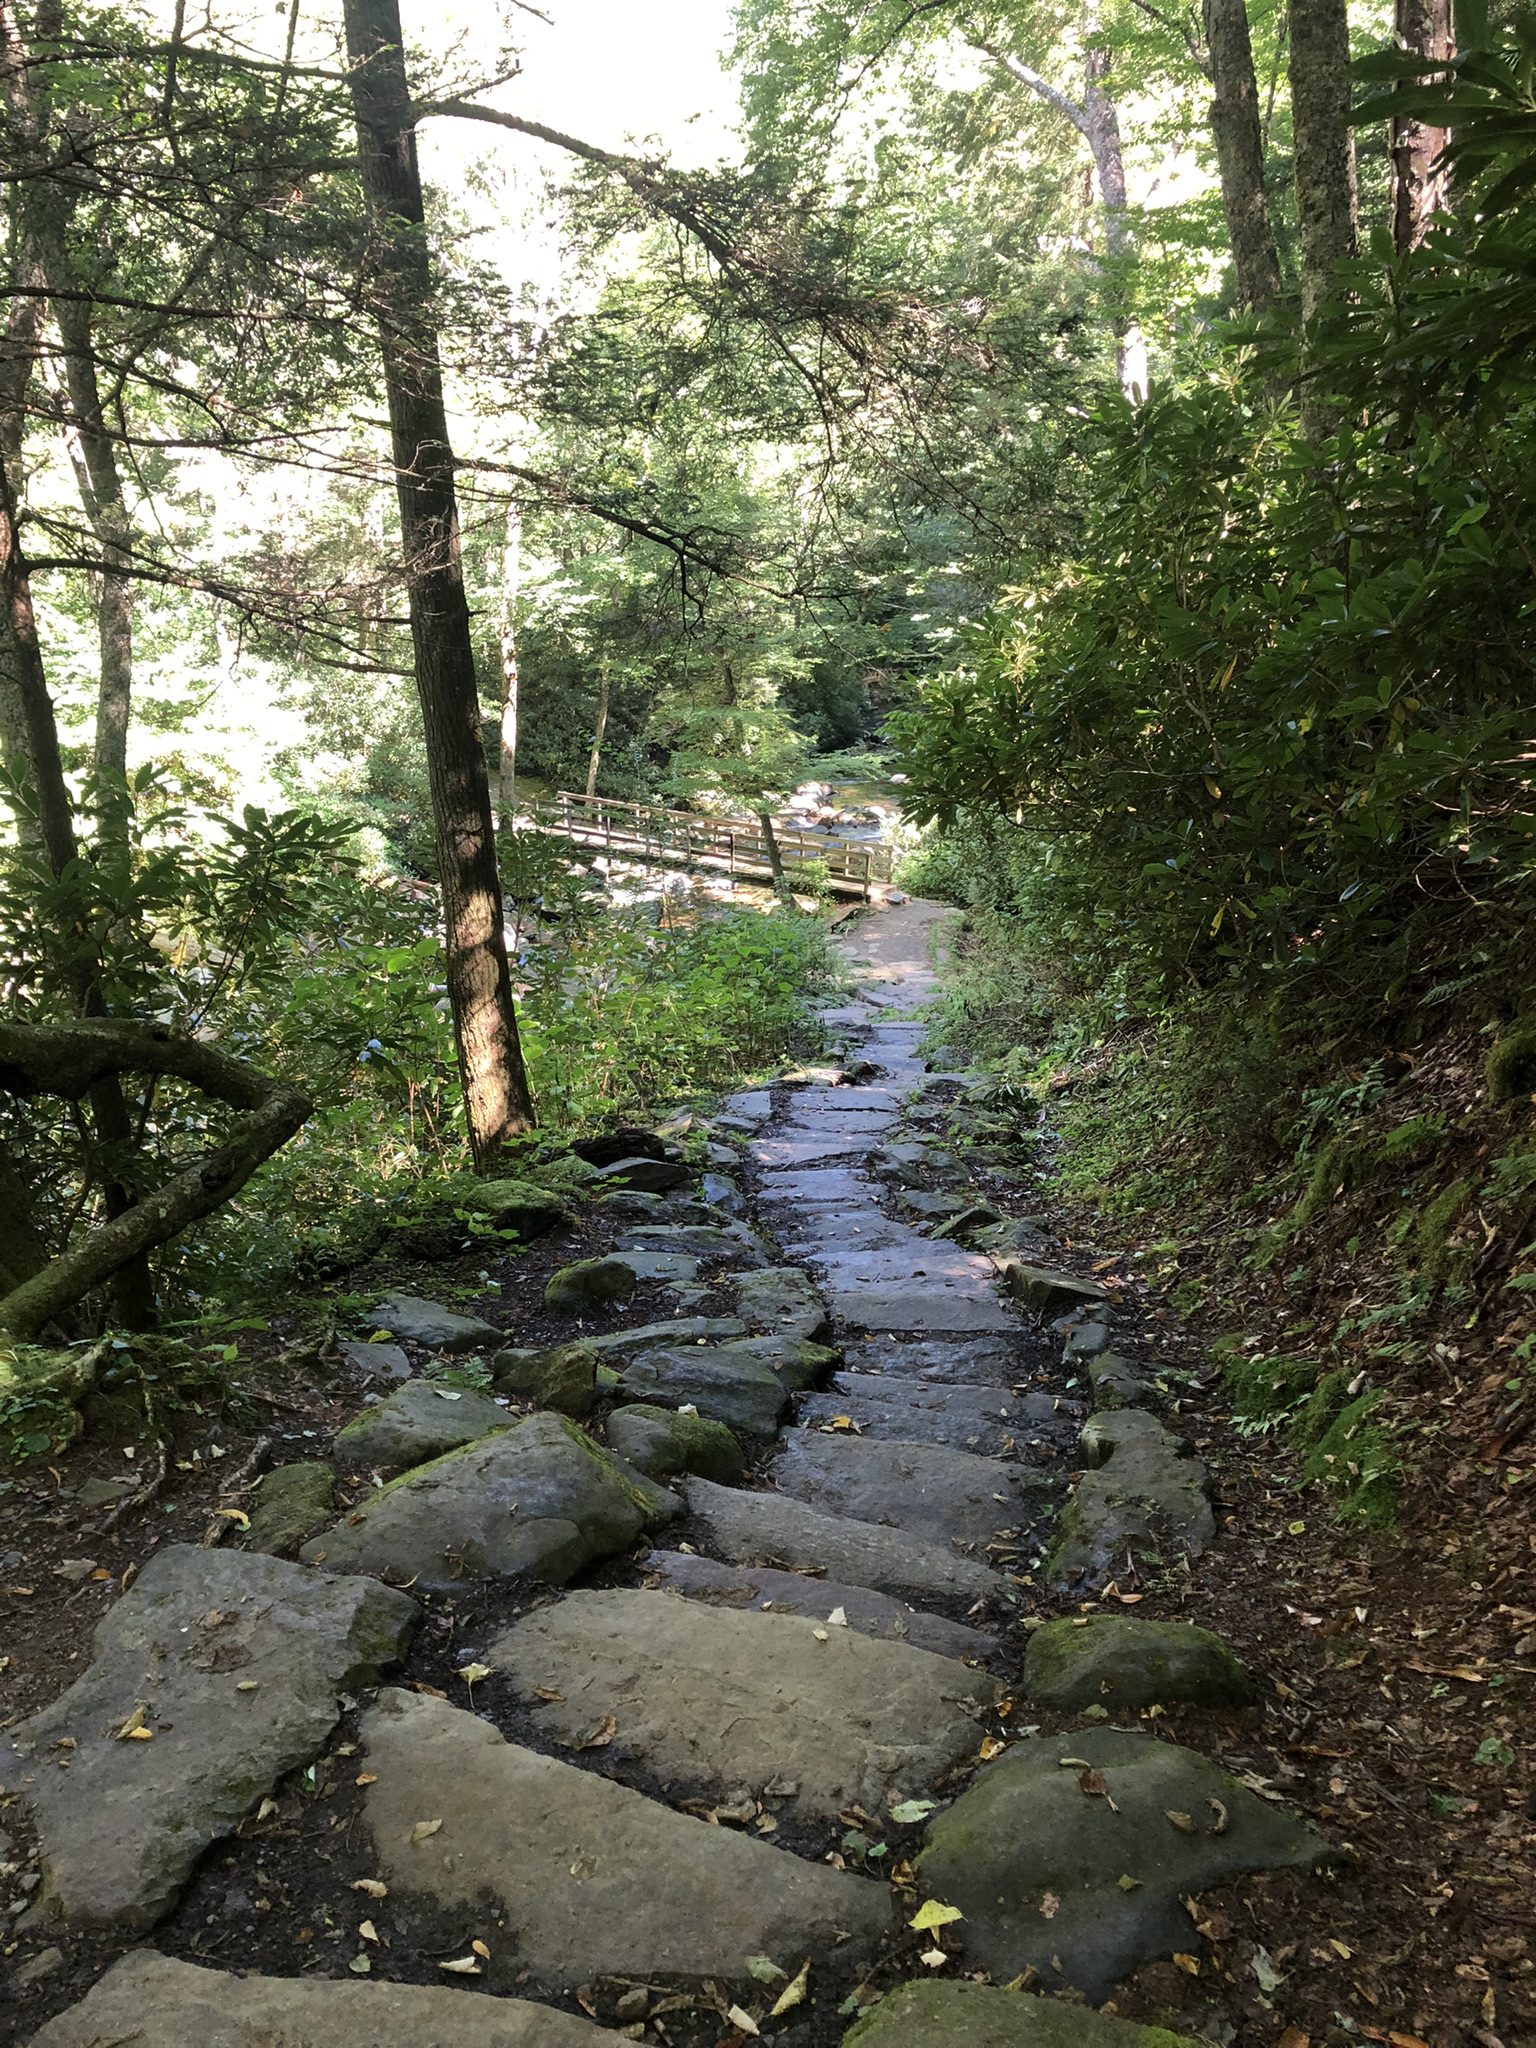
[{"x": 70, "y": 1059}]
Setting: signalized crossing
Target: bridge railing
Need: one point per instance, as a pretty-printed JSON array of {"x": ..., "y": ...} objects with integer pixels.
[{"x": 738, "y": 846}]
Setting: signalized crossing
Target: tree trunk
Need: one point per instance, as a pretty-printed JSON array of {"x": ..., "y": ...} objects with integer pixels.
[
  {"x": 497, "y": 1101},
  {"x": 781, "y": 887},
  {"x": 1240, "y": 153},
  {"x": 1101, "y": 125},
  {"x": 598, "y": 732},
  {"x": 506, "y": 637},
  {"x": 1420, "y": 177},
  {"x": 1327, "y": 203}
]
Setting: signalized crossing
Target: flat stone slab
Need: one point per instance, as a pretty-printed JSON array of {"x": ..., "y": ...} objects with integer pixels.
[
  {"x": 919, "y": 1309},
  {"x": 795, "y": 1361},
  {"x": 153, "y": 2001},
  {"x": 806, "y": 1148},
  {"x": 540, "y": 1499},
  {"x": 777, "y": 1296},
  {"x": 771, "y": 1591},
  {"x": 735, "y": 1243},
  {"x": 775, "y": 1528},
  {"x": 929, "y": 1490},
  {"x": 1118, "y": 1661},
  {"x": 910, "y": 1258},
  {"x": 936, "y": 2015},
  {"x": 958, "y": 1361},
  {"x": 669, "y": 1266},
  {"x": 382, "y": 1362},
  {"x": 837, "y": 1185},
  {"x": 292, "y": 1502},
  {"x": 422, "y": 1420},
  {"x": 984, "y": 1420},
  {"x": 1143, "y": 1498},
  {"x": 1045, "y": 1286},
  {"x": 1030, "y": 1831},
  {"x": 710, "y": 1699},
  {"x": 414, "y": 1320},
  {"x": 755, "y": 1103},
  {"x": 216, "y": 1672},
  {"x": 725, "y": 1385},
  {"x": 650, "y": 1336},
  {"x": 593, "y": 1879}
]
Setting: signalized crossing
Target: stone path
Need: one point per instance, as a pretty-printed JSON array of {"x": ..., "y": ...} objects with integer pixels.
[{"x": 770, "y": 1779}]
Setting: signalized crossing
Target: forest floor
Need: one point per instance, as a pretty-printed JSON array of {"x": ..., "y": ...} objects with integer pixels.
[{"x": 1394, "y": 1669}]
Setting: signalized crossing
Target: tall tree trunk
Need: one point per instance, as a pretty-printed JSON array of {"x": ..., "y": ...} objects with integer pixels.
[
  {"x": 506, "y": 641},
  {"x": 781, "y": 887},
  {"x": 599, "y": 732},
  {"x": 1327, "y": 201},
  {"x": 497, "y": 1101},
  {"x": 1240, "y": 153},
  {"x": 1101, "y": 125},
  {"x": 1420, "y": 178}
]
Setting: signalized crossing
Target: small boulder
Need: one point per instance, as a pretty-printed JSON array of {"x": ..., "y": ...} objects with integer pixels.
[
  {"x": 1118, "y": 1661},
  {"x": 1143, "y": 1498},
  {"x": 721, "y": 1383},
  {"x": 590, "y": 1286},
  {"x": 291, "y": 1503},
  {"x": 520, "y": 1206},
  {"x": 383, "y": 1363},
  {"x": 783, "y": 1299},
  {"x": 564, "y": 1378},
  {"x": 421, "y": 1420},
  {"x": 1115, "y": 1383},
  {"x": 663, "y": 1442},
  {"x": 626, "y": 1143},
  {"x": 414, "y": 1320},
  {"x": 649, "y": 1176},
  {"x": 1043, "y": 1286}
]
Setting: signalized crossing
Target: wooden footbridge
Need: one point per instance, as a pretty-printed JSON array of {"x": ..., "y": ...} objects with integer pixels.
[{"x": 728, "y": 845}]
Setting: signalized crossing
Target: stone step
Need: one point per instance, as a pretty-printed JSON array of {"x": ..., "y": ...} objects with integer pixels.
[
  {"x": 216, "y": 1672},
  {"x": 808, "y": 1148},
  {"x": 871, "y": 1613},
  {"x": 814, "y": 1186},
  {"x": 934, "y": 2015},
  {"x": 421, "y": 1420},
  {"x": 774, "y": 1528},
  {"x": 951, "y": 1361},
  {"x": 926, "y": 1490},
  {"x": 725, "y": 1385},
  {"x": 899, "y": 1261},
  {"x": 155, "y": 2001},
  {"x": 840, "y": 1100},
  {"x": 917, "y": 1308},
  {"x": 716, "y": 1702},
  {"x": 986, "y": 1421},
  {"x": 541, "y": 1499},
  {"x": 589, "y": 1878}
]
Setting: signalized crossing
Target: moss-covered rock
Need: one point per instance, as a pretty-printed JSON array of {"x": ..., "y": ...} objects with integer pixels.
[
  {"x": 930, "y": 2015},
  {"x": 292, "y": 1502},
  {"x": 563, "y": 1378},
  {"x": 1510, "y": 1071},
  {"x": 520, "y": 1206},
  {"x": 1118, "y": 1661},
  {"x": 421, "y": 1420},
  {"x": 662, "y": 1442},
  {"x": 590, "y": 1286}
]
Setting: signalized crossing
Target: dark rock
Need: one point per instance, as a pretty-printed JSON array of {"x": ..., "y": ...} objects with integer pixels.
[
  {"x": 383, "y": 1363},
  {"x": 1143, "y": 1498},
  {"x": 520, "y": 1206},
  {"x": 1043, "y": 1286},
  {"x": 292, "y": 1502},
  {"x": 626, "y": 1143},
  {"x": 985, "y": 1420},
  {"x": 415, "y": 1320},
  {"x": 649, "y": 1176},
  {"x": 1027, "y": 1832},
  {"x": 1118, "y": 1661},
  {"x": 784, "y": 1298},
  {"x": 664, "y": 1442},
  {"x": 926, "y": 1490},
  {"x": 590, "y": 1286},
  {"x": 1115, "y": 1383},
  {"x": 563, "y": 1378},
  {"x": 932, "y": 2015},
  {"x": 420, "y": 1420},
  {"x": 724, "y": 1385}
]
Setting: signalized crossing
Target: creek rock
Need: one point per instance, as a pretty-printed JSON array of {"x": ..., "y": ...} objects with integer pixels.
[
  {"x": 649, "y": 1176},
  {"x": 539, "y": 1499},
  {"x": 563, "y": 1378},
  {"x": 233, "y": 1662},
  {"x": 590, "y": 1286},
  {"x": 975, "y": 1218},
  {"x": 722, "y": 1384},
  {"x": 665, "y": 1442},
  {"x": 1043, "y": 1286},
  {"x": 1028, "y": 1831},
  {"x": 674, "y": 1270},
  {"x": 774, "y": 1528},
  {"x": 785, "y": 1298},
  {"x": 983, "y": 1420},
  {"x": 777, "y": 1592},
  {"x": 521, "y": 1206},
  {"x": 420, "y": 1420},
  {"x": 929, "y": 1208},
  {"x": 934, "y": 1493},
  {"x": 382, "y": 1363},
  {"x": 154, "y": 2001},
  {"x": 1118, "y": 1661},
  {"x": 720, "y": 1192},
  {"x": 292, "y": 1502},
  {"x": 592, "y": 1879},
  {"x": 414, "y": 1320},
  {"x": 1143, "y": 1497},
  {"x": 626, "y": 1204},
  {"x": 1082, "y": 1336},
  {"x": 1014, "y": 1234},
  {"x": 714, "y": 1699},
  {"x": 959, "y": 2015}
]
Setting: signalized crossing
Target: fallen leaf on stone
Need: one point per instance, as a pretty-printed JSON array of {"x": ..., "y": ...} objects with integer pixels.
[
  {"x": 235, "y": 1515},
  {"x": 133, "y": 1727},
  {"x": 743, "y": 2022},
  {"x": 248, "y": 1685},
  {"x": 1050, "y": 1906},
  {"x": 935, "y": 1958},
  {"x": 1181, "y": 1821},
  {"x": 794, "y": 1992},
  {"x": 911, "y": 1811},
  {"x": 1127, "y": 1883},
  {"x": 933, "y": 1913},
  {"x": 600, "y": 1737},
  {"x": 266, "y": 1809},
  {"x": 366, "y": 1778},
  {"x": 821, "y": 1635},
  {"x": 1096, "y": 1785},
  {"x": 1222, "y": 1816},
  {"x": 991, "y": 1746},
  {"x": 764, "y": 1969},
  {"x": 547, "y": 1692},
  {"x": 423, "y": 1830},
  {"x": 140, "y": 1735},
  {"x": 840, "y": 1422},
  {"x": 1189, "y": 1964},
  {"x": 1074, "y": 1763},
  {"x": 372, "y": 1886},
  {"x": 462, "y": 1966},
  {"x": 838, "y": 1618}
]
